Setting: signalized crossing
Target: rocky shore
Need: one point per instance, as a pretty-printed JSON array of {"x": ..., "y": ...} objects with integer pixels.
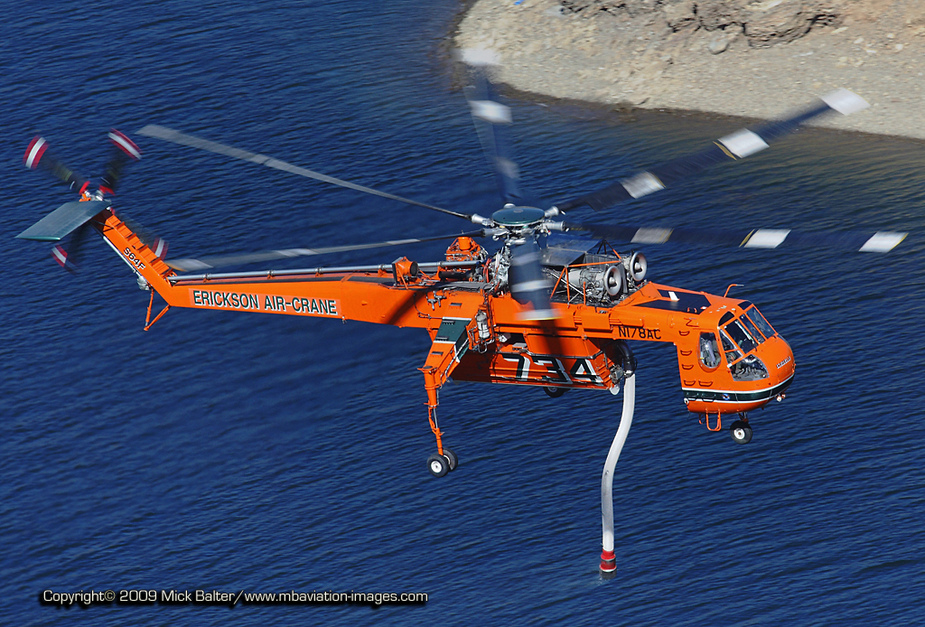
[{"x": 755, "y": 59}]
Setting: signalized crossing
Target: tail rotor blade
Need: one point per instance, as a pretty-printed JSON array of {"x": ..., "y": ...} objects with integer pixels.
[
  {"x": 124, "y": 151},
  {"x": 37, "y": 155},
  {"x": 68, "y": 255},
  {"x": 59, "y": 254},
  {"x": 149, "y": 239},
  {"x": 159, "y": 246}
]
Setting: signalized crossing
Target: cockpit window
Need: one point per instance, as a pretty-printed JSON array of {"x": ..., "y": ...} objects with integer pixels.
[
  {"x": 760, "y": 322},
  {"x": 752, "y": 329},
  {"x": 749, "y": 369},
  {"x": 709, "y": 351},
  {"x": 740, "y": 336},
  {"x": 732, "y": 353},
  {"x": 738, "y": 333}
]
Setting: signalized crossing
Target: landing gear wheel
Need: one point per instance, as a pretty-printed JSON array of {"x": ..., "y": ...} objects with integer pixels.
[
  {"x": 554, "y": 392},
  {"x": 438, "y": 465},
  {"x": 741, "y": 432},
  {"x": 451, "y": 458}
]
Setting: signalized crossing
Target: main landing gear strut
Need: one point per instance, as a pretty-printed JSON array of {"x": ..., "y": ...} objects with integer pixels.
[{"x": 444, "y": 460}]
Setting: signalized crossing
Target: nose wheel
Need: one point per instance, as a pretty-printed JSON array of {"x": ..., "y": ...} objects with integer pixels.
[{"x": 741, "y": 432}]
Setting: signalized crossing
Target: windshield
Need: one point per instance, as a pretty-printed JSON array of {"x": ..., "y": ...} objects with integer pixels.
[
  {"x": 758, "y": 320},
  {"x": 740, "y": 336},
  {"x": 752, "y": 329}
]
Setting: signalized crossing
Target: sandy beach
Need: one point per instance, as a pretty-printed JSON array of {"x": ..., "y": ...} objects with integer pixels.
[{"x": 663, "y": 54}]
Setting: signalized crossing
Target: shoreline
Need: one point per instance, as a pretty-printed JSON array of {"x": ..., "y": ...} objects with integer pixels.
[{"x": 622, "y": 63}]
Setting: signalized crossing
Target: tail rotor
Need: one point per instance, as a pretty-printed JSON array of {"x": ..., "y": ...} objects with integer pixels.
[{"x": 74, "y": 219}]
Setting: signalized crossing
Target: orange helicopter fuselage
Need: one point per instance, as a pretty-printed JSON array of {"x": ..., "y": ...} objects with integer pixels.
[{"x": 482, "y": 336}]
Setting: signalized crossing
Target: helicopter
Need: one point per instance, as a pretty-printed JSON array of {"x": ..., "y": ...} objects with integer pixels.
[{"x": 554, "y": 306}]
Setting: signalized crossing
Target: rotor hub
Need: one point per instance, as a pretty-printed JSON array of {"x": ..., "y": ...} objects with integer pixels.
[{"x": 518, "y": 217}]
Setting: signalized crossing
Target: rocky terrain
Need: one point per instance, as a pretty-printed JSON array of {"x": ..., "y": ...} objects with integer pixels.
[{"x": 738, "y": 57}]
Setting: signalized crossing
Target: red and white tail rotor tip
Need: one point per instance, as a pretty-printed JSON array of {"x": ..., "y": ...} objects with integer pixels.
[
  {"x": 126, "y": 145},
  {"x": 159, "y": 247},
  {"x": 34, "y": 152},
  {"x": 60, "y": 255}
]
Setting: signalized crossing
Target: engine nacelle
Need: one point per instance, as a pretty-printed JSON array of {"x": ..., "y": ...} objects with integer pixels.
[
  {"x": 637, "y": 267},
  {"x": 598, "y": 280}
]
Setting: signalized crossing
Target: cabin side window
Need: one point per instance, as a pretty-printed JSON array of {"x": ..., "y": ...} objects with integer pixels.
[{"x": 709, "y": 350}]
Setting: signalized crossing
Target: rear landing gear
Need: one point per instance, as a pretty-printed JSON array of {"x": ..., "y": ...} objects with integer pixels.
[
  {"x": 451, "y": 458},
  {"x": 439, "y": 465},
  {"x": 741, "y": 432}
]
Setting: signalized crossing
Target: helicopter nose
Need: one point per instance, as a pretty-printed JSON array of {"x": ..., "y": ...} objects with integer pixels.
[{"x": 782, "y": 360}]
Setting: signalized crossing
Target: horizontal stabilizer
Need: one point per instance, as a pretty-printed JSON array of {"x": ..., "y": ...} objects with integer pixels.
[{"x": 63, "y": 220}]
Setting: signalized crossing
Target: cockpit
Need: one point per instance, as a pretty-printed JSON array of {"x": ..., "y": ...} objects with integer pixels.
[{"x": 740, "y": 334}]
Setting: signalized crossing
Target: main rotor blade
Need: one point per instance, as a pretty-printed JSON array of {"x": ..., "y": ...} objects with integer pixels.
[
  {"x": 732, "y": 147},
  {"x": 37, "y": 155},
  {"x": 183, "y": 139},
  {"x": 490, "y": 117},
  {"x": 528, "y": 284},
  {"x": 879, "y": 242},
  {"x": 217, "y": 261},
  {"x": 124, "y": 151}
]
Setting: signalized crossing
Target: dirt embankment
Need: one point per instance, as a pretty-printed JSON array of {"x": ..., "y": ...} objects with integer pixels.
[{"x": 738, "y": 57}]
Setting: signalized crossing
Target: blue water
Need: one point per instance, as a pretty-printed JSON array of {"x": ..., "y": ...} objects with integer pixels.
[{"x": 222, "y": 451}]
